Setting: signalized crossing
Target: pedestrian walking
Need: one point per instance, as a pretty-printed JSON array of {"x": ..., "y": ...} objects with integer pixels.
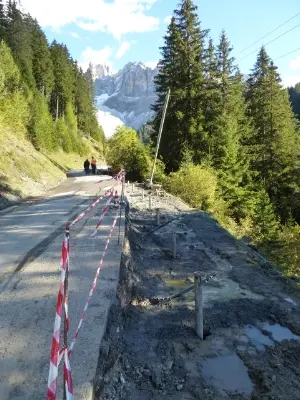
[
  {"x": 86, "y": 167},
  {"x": 94, "y": 165}
]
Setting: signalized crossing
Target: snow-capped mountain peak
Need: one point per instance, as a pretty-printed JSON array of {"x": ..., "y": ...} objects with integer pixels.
[
  {"x": 126, "y": 96},
  {"x": 100, "y": 70}
]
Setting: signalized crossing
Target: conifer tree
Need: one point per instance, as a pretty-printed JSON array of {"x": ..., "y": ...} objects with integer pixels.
[
  {"x": 18, "y": 38},
  {"x": 64, "y": 79},
  {"x": 12, "y": 77},
  {"x": 294, "y": 96},
  {"x": 274, "y": 145},
  {"x": 182, "y": 70},
  {"x": 227, "y": 127},
  {"x": 42, "y": 62},
  {"x": 3, "y": 22},
  {"x": 41, "y": 124}
]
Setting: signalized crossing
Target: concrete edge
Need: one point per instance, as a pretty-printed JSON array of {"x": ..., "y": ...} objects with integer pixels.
[{"x": 124, "y": 260}]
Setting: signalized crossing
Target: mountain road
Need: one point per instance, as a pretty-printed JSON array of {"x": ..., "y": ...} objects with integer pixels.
[{"x": 31, "y": 236}]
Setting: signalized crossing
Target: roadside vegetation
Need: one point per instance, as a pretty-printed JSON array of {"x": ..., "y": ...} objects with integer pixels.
[
  {"x": 230, "y": 144},
  {"x": 47, "y": 117}
]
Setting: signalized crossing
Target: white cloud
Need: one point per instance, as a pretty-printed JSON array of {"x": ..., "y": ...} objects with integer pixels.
[
  {"x": 116, "y": 17},
  {"x": 151, "y": 64},
  {"x": 125, "y": 46},
  {"x": 95, "y": 57},
  {"x": 75, "y": 35},
  {"x": 295, "y": 64},
  {"x": 167, "y": 20},
  {"x": 290, "y": 80}
]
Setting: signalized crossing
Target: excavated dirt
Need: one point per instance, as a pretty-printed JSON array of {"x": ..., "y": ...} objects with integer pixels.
[{"x": 251, "y": 315}]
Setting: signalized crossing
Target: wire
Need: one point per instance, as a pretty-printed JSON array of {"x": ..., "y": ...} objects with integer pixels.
[
  {"x": 296, "y": 15},
  {"x": 271, "y": 41},
  {"x": 286, "y": 54}
]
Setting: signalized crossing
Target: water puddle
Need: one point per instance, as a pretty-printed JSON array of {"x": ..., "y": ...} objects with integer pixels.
[
  {"x": 278, "y": 332},
  {"x": 258, "y": 339},
  {"x": 227, "y": 373}
]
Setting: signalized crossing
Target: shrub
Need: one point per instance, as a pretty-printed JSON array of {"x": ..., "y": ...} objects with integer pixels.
[
  {"x": 195, "y": 184},
  {"x": 126, "y": 151}
]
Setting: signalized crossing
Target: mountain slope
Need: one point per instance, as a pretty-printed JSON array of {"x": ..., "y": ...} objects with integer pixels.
[
  {"x": 125, "y": 97},
  {"x": 28, "y": 173}
]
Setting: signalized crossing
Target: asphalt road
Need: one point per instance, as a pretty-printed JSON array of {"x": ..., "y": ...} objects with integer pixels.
[{"x": 30, "y": 249}]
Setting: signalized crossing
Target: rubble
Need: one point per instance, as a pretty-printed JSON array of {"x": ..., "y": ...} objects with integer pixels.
[{"x": 246, "y": 307}]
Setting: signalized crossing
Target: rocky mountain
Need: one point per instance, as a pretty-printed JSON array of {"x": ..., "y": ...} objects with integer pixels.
[{"x": 125, "y": 97}]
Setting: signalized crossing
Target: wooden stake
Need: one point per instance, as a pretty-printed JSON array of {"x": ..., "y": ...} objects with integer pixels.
[
  {"x": 157, "y": 217},
  {"x": 174, "y": 246},
  {"x": 198, "y": 304}
]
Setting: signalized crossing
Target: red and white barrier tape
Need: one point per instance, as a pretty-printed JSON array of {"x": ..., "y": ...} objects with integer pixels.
[
  {"x": 104, "y": 211},
  {"x": 93, "y": 285},
  {"x": 57, "y": 354},
  {"x": 53, "y": 371},
  {"x": 68, "y": 377},
  {"x": 117, "y": 177},
  {"x": 80, "y": 216}
]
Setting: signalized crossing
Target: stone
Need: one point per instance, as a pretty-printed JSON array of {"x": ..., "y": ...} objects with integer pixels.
[
  {"x": 156, "y": 377},
  {"x": 104, "y": 348},
  {"x": 179, "y": 387},
  {"x": 122, "y": 379}
]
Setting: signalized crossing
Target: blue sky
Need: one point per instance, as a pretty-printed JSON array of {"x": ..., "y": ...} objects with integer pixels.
[{"x": 119, "y": 31}]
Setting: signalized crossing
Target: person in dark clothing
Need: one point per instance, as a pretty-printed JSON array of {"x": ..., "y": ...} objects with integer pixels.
[
  {"x": 93, "y": 164},
  {"x": 87, "y": 167}
]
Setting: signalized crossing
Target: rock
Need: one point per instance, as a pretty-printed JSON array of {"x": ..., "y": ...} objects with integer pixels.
[
  {"x": 274, "y": 379},
  {"x": 156, "y": 376},
  {"x": 169, "y": 364},
  {"x": 104, "y": 348},
  {"x": 179, "y": 387},
  {"x": 272, "y": 317},
  {"x": 122, "y": 379},
  {"x": 128, "y": 94}
]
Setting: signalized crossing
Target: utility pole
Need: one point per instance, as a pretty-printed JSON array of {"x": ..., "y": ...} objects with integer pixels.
[{"x": 160, "y": 132}]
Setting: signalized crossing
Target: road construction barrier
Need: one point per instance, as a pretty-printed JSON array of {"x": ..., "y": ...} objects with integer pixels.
[
  {"x": 55, "y": 349},
  {"x": 80, "y": 216},
  {"x": 104, "y": 211},
  {"x": 56, "y": 354},
  {"x": 117, "y": 177},
  {"x": 94, "y": 284}
]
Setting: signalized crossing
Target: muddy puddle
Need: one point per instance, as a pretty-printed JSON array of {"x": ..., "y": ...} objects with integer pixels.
[
  {"x": 278, "y": 332},
  {"x": 257, "y": 338},
  {"x": 268, "y": 335},
  {"x": 227, "y": 373}
]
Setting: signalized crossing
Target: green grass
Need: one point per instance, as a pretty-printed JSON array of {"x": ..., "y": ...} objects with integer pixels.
[{"x": 26, "y": 172}]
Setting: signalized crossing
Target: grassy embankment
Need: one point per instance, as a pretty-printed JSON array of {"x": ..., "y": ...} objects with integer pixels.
[{"x": 26, "y": 172}]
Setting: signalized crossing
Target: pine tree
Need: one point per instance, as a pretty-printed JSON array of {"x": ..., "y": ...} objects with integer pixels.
[
  {"x": 42, "y": 62},
  {"x": 82, "y": 102},
  {"x": 3, "y": 22},
  {"x": 227, "y": 127},
  {"x": 64, "y": 79},
  {"x": 182, "y": 70},
  {"x": 41, "y": 124},
  {"x": 264, "y": 220},
  {"x": 12, "y": 76},
  {"x": 18, "y": 38},
  {"x": 274, "y": 145},
  {"x": 71, "y": 123},
  {"x": 294, "y": 96}
]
